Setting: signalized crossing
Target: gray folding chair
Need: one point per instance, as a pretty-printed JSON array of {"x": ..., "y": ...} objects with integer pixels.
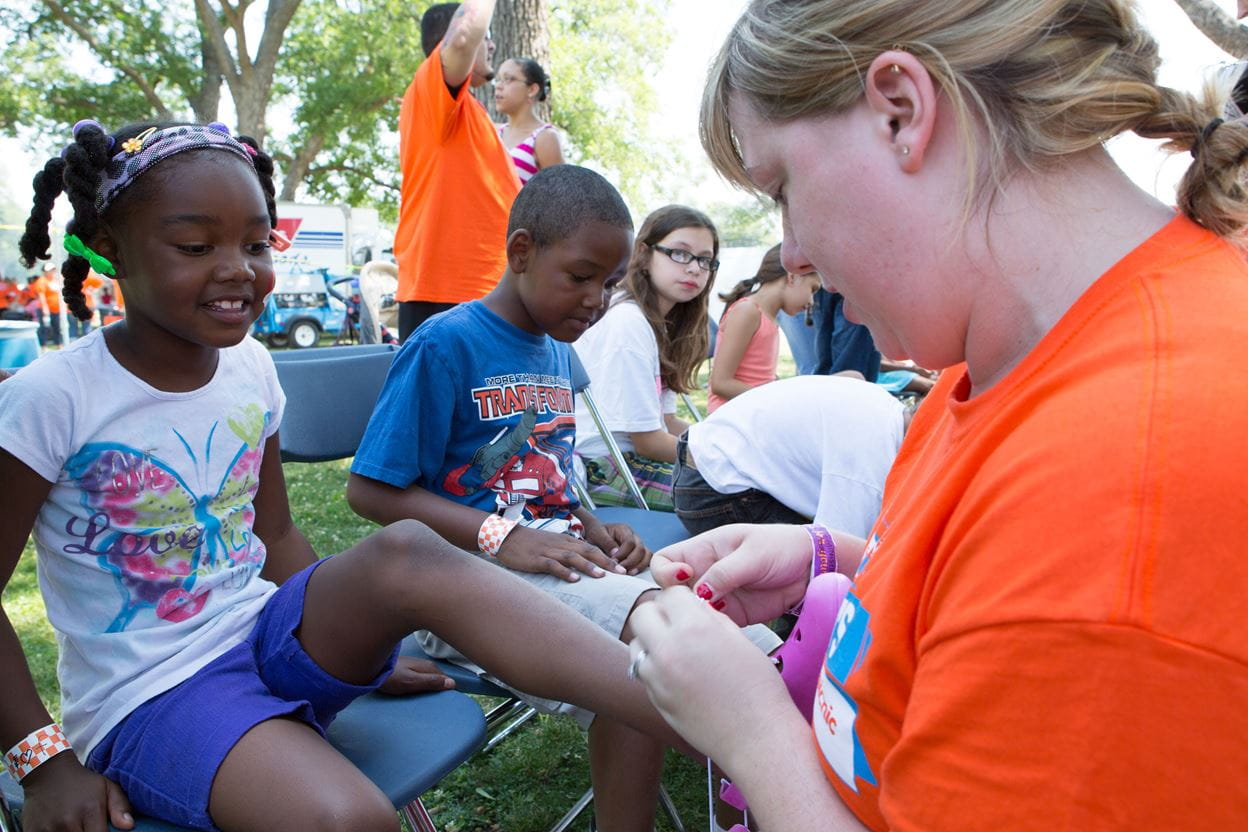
[{"x": 656, "y": 528}]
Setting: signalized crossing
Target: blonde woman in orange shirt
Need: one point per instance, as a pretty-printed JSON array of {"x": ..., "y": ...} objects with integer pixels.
[{"x": 1043, "y": 631}]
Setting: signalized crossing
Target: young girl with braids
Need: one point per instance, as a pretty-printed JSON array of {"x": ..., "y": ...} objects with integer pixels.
[
  {"x": 203, "y": 646},
  {"x": 646, "y": 349},
  {"x": 1045, "y": 628},
  {"x": 747, "y": 347}
]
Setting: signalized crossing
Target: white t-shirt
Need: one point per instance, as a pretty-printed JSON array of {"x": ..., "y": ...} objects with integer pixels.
[
  {"x": 621, "y": 356},
  {"x": 146, "y": 558},
  {"x": 821, "y": 445}
]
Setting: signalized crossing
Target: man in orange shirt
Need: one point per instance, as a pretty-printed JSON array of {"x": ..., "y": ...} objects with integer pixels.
[
  {"x": 47, "y": 286},
  {"x": 458, "y": 181}
]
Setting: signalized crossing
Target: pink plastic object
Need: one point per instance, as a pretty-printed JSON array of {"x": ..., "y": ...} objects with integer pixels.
[{"x": 800, "y": 658}]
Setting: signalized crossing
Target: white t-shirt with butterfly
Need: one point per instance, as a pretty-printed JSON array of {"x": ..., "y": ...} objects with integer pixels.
[{"x": 146, "y": 558}]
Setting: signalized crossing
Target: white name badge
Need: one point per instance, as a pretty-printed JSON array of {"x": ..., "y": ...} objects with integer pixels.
[{"x": 835, "y": 712}]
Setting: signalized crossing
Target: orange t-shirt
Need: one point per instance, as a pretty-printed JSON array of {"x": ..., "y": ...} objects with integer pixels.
[
  {"x": 90, "y": 285},
  {"x": 458, "y": 185},
  {"x": 51, "y": 291},
  {"x": 1047, "y": 630},
  {"x": 30, "y": 293}
]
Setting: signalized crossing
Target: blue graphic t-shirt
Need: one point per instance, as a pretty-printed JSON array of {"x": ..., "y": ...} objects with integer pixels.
[
  {"x": 147, "y": 562},
  {"x": 480, "y": 412}
]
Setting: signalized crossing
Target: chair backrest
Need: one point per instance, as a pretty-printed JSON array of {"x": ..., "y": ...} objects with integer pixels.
[
  {"x": 329, "y": 398},
  {"x": 320, "y": 353},
  {"x": 580, "y": 387}
]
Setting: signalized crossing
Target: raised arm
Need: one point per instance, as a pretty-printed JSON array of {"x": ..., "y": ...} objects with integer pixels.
[{"x": 463, "y": 39}]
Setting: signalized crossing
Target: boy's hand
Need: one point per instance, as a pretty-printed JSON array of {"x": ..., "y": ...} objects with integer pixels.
[
  {"x": 412, "y": 675},
  {"x": 530, "y": 550},
  {"x": 63, "y": 795},
  {"x": 620, "y": 542}
]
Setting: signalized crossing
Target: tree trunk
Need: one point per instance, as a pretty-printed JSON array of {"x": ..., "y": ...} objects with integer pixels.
[
  {"x": 206, "y": 101},
  {"x": 250, "y": 81},
  {"x": 298, "y": 167},
  {"x": 521, "y": 30},
  {"x": 1217, "y": 25}
]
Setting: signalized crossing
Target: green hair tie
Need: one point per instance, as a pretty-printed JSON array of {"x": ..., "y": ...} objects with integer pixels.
[{"x": 99, "y": 262}]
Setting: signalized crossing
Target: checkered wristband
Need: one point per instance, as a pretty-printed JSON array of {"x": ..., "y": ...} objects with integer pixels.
[
  {"x": 35, "y": 750},
  {"x": 823, "y": 555},
  {"x": 493, "y": 532}
]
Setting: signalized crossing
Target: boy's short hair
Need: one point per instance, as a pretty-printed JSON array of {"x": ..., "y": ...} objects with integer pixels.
[
  {"x": 434, "y": 23},
  {"x": 559, "y": 199}
]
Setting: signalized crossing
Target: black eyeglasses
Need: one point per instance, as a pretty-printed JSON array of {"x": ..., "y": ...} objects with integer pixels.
[{"x": 684, "y": 258}]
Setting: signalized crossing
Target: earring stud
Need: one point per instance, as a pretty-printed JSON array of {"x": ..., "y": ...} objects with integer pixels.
[
  {"x": 905, "y": 150},
  {"x": 896, "y": 70}
]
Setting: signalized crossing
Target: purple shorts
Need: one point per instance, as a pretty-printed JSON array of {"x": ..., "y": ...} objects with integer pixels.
[{"x": 166, "y": 753}]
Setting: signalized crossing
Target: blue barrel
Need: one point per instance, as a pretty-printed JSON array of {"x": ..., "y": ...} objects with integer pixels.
[{"x": 19, "y": 343}]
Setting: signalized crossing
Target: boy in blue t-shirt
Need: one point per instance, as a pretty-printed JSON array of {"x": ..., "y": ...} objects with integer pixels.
[{"x": 473, "y": 435}]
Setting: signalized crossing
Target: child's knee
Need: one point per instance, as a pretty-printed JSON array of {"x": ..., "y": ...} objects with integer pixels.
[
  {"x": 406, "y": 542},
  {"x": 337, "y": 809},
  {"x": 409, "y": 551}
]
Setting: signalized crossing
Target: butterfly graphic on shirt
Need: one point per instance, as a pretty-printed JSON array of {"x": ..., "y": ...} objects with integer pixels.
[{"x": 170, "y": 537}]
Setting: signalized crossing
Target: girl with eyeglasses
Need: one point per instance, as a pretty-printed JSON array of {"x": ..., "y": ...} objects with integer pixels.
[
  {"x": 747, "y": 347},
  {"x": 533, "y": 142},
  {"x": 645, "y": 350}
]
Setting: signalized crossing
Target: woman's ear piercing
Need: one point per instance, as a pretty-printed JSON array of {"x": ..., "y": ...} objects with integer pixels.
[
  {"x": 905, "y": 150},
  {"x": 896, "y": 70}
]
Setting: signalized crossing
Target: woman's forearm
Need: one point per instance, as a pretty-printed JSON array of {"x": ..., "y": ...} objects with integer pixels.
[{"x": 784, "y": 783}]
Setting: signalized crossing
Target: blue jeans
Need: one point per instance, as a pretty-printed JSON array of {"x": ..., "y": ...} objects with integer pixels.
[{"x": 701, "y": 508}]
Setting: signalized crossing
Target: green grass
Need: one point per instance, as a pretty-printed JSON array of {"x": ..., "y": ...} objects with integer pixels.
[{"x": 523, "y": 785}]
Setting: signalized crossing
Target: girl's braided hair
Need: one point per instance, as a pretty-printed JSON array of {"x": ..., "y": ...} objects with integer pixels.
[{"x": 77, "y": 173}]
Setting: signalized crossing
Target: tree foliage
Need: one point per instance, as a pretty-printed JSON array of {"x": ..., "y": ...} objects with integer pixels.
[
  {"x": 327, "y": 98},
  {"x": 602, "y": 53}
]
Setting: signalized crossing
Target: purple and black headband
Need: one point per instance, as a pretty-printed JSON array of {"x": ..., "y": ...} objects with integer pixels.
[{"x": 151, "y": 147}]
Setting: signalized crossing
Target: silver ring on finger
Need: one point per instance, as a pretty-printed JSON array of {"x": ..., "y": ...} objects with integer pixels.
[{"x": 635, "y": 664}]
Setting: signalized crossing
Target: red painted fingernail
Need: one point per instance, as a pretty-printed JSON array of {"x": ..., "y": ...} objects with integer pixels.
[
  {"x": 704, "y": 592},
  {"x": 683, "y": 575},
  {"x": 719, "y": 605}
]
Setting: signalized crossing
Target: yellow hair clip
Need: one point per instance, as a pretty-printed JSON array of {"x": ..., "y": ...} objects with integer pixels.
[{"x": 133, "y": 146}]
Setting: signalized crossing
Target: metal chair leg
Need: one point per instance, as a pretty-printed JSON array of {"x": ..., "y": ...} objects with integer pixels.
[
  {"x": 665, "y": 801},
  {"x": 669, "y": 808},
  {"x": 417, "y": 817},
  {"x": 573, "y": 813}
]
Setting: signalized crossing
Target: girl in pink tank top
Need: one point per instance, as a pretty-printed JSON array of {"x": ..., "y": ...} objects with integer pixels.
[
  {"x": 520, "y": 85},
  {"x": 748, "y": 345}
]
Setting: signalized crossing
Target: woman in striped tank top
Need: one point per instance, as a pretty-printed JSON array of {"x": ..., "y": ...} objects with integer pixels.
[{"x": 521, "y": 84}]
